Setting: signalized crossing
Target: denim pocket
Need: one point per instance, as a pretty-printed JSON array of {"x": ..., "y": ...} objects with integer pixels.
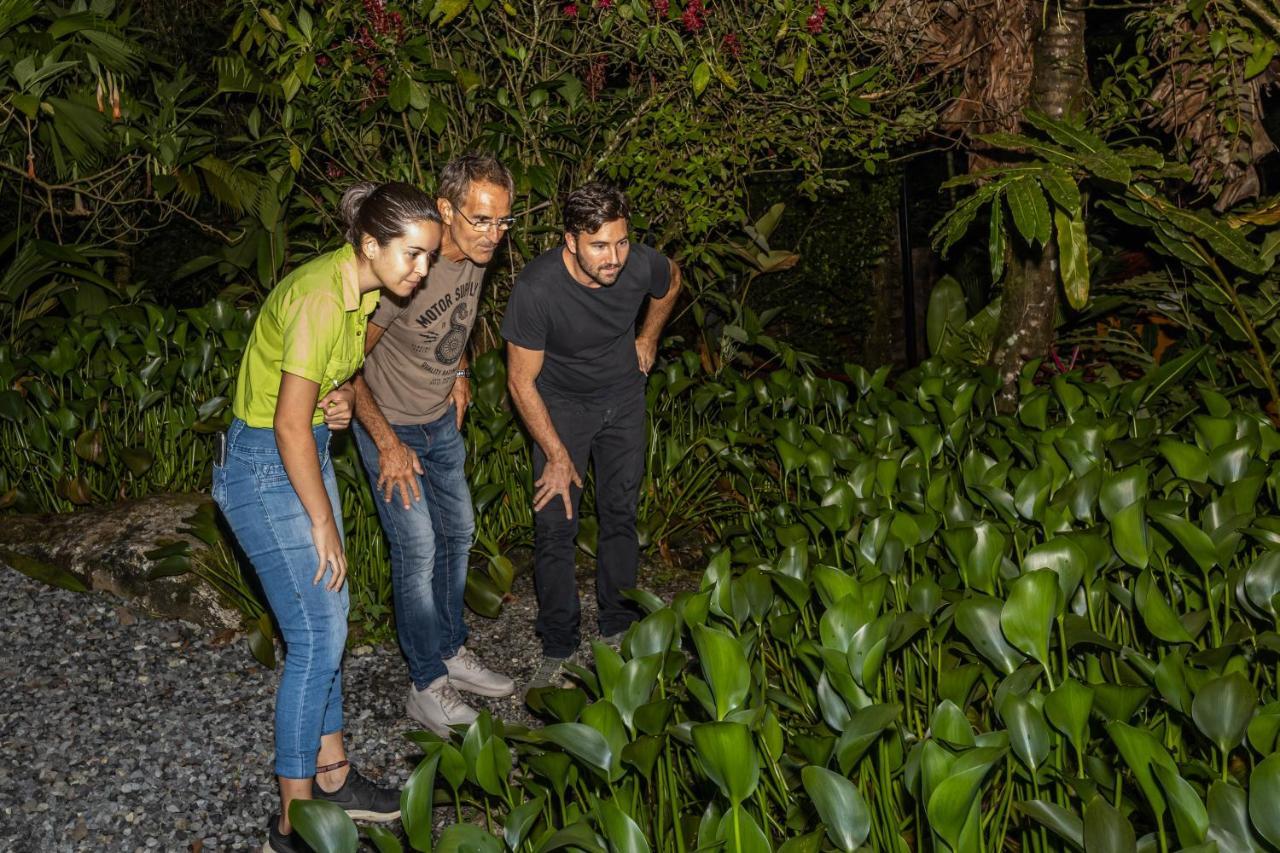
[
  {"x": 273, "y": 476},
  {"x": 270, "y": 475}
]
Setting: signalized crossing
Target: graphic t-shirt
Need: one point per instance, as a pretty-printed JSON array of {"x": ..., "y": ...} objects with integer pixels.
[
  {"x": 413, "y": 367},
  {"x": 588, "y": 335}
]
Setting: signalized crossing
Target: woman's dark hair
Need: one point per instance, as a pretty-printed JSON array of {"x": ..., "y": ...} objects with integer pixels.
[
  {"x": 384, "y": 211},
  {"x": 460, "y": 173},
  {"x": 592, "y": 205}
]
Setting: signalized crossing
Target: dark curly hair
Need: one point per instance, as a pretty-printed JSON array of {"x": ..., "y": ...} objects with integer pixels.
[{"x": 592, "y": 205}]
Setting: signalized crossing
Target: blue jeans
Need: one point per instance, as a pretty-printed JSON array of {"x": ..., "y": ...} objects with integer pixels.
[
  {"x": 273, "y": 528},
  {"x": 430, "y": 543}
]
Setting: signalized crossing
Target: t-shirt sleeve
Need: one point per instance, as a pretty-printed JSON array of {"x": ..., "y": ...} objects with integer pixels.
[
  {"x": 525, "y": 322},
  {"x": 311, "y": 325},
  {"x": 659, "y": 274},
  {"x": 389, "y": 308}
]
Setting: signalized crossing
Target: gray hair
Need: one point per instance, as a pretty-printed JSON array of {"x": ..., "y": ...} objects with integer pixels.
[{"x": 461, "y": 172}]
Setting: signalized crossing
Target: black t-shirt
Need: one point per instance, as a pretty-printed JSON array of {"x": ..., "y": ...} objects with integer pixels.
[{"x": 588, "y": 334}]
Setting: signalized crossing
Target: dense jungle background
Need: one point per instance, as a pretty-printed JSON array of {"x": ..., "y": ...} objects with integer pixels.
[{"x": 969, "y": 416}]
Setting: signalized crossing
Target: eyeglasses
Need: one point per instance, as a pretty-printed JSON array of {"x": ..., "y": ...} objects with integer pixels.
[{"x": 484, "y": 223}]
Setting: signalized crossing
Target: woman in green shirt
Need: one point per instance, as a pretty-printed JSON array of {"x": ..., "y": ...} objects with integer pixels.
[{"x": 275, "y": 484}]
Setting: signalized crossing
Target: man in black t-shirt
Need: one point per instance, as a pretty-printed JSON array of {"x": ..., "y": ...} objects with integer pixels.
[{"x": 576, "y": 368}]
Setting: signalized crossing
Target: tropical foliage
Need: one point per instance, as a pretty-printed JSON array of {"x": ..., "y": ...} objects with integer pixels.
[
  {"x": 935, "y": 615},
  {"x": 930, "y": 627}
]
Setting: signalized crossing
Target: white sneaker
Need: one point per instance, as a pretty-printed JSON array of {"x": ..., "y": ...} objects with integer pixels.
[
  {"x": 439, "y": 706},
  {"x": 467, "y": 673}
]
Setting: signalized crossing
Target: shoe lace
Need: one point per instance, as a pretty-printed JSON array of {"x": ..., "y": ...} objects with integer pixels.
[
  {"x": 468, "y": 660},
  {"x": 448, "y": 696}
]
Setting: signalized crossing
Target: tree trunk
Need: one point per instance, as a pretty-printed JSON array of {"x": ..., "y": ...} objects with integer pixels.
[{"x": 1059, "y": 86}]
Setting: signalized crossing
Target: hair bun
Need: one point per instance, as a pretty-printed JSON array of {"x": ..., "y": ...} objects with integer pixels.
[{"x": 352, "y": 200}]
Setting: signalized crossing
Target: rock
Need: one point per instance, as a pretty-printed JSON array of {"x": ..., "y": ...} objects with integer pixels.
[{"x": 105, "y": 547}]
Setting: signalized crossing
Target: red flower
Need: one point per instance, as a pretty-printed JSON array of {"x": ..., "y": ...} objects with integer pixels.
[
  {"x": 693, "y": 17},
  {"x": 571, "y": 10},
  {"x": 662, "y": 7},
  {"x": 815, "y": 21},
  {"x": 376, "y": 12},
  {"x": 604, "y": 4},
  {"x": 731, "y": 45},
  {"x": 322, "y": 60}
]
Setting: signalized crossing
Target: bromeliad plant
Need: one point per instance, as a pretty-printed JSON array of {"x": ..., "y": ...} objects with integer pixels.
[{"x": 931, "y": 628}]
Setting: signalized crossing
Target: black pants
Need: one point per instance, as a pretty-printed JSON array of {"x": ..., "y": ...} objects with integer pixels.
[{"x": 612, "y": 434}]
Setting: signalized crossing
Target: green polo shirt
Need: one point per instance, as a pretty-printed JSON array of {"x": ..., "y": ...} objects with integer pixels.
[{"x": 312, "y": 325}]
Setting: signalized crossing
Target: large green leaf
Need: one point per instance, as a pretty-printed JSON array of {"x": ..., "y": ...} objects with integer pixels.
[
  {"x": 521, "y": 819},
  {"x": 324, "y": 826},
  {"x": 383, "y": 839},
  {"x": 1027, "y": 615},
  {"x": 1029, "y": 735},
  {"x": 1030, "y": 210},
  {"x": 620, "y": 830},
  {"x": 582, "y": 742},
  {"x": 1069, "y": 827},
  {"x": 946, "y": 313},
  {"x": 604, "y": 718},
  {"x": 1264, "y": 793},
  {"x": 1229, "y": 813},
  {"x": 728, "y": 754},
  {"x": 978, "y": 619},
  {"x": 1187, "y": 461},
  {"x": 467, "y": 838},
  {"x": 1156, "y": 612},
  {"x": 1062, "y": 556},
  {"x": 1067, "y": 708},
  {"x": 978, "y": 549},
  {"x": 1140, "y": 750},
  {"x": 862, "y": 730},
  {"x": 1130, "y": 536},
  {"x": 840, "y": 807},
  {"x": 1227, "y": 242},
  {"x": 1106, "y": 830},
  {"x": 635, "y": 683},
  {"x": 724, "y": 663},
  {"x": 1073, "y": 256},
  {"x": 1264, "y": 729},
  {"x": 953, "y": 803},
  {"x": 42, "y": 571},
  {"x": 948, "y": 723},
  {"x": 1190, "y": 817},
  {"x": 1194, "y": 541},
  {"x": 1223, "y": 708},
  {"x": 416, "y": 801},
  {"x": 740, "y": 833}
]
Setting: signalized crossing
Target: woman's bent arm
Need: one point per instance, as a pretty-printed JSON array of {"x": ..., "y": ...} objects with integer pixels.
[{"x": 294, "y": 409}]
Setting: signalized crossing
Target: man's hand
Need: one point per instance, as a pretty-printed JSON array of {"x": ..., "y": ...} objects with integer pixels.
[
  {"x": 461, "y": 396},
  {"x": 399, "y": 466},
  {"x": 555, "y": 480},
  {"x": 646, "y": 352},
  {"x": 338, "y": 406}
]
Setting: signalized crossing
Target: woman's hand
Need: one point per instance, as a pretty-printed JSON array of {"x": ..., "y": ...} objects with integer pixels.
[
  {"x": 338, "y": 406},
  {"x": 329, "y": 546}
]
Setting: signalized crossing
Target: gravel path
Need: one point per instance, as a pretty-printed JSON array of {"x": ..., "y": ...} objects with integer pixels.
[{"x": 124, "y": 733}]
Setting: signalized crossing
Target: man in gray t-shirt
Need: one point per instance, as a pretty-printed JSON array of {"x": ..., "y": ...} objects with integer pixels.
[
  {"x": 413, "y": 373},
  {"x": 411, "y": 398}
]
